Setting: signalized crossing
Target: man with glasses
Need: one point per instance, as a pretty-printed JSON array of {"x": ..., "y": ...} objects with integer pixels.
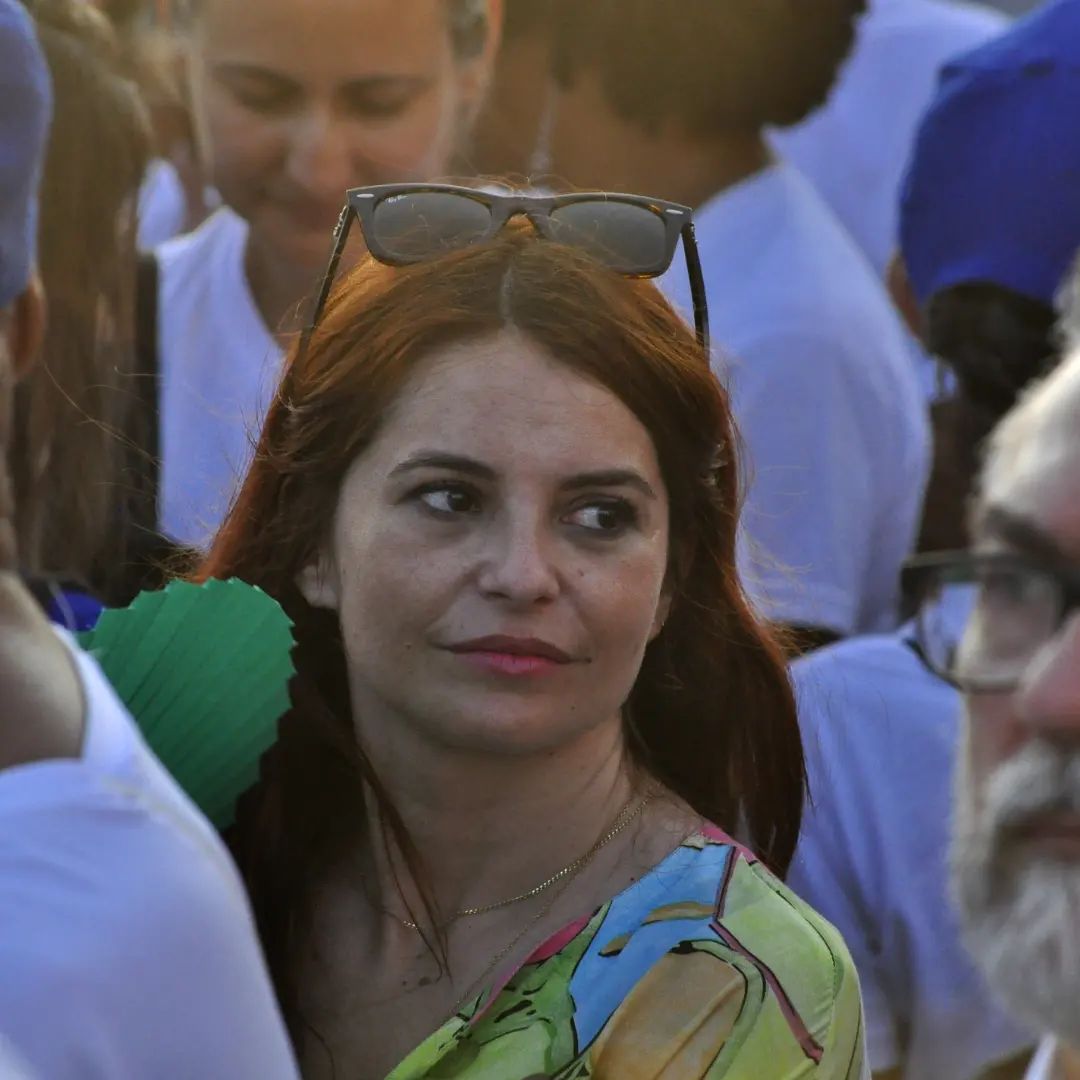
[
  {"x": 990, "y": 223},
  {"x": 1002, "y": 623}
]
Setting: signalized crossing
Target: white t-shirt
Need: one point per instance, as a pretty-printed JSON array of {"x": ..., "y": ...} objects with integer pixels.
[
  {"x": 827, "y": 398},
  {"x": 127, "y": 948},
  {"x": 1042, "y": 1062},
  {"x": 855, "y": 149},
  {"x": 881, "y": 734},
  {"x": 162, "y": 205},
  {"x": 219, "y": 368}
]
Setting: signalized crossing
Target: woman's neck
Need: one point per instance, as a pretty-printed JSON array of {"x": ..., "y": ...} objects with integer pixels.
[
  {"x": 489, "y": 828},
  {"x": 280, "y": 289}
]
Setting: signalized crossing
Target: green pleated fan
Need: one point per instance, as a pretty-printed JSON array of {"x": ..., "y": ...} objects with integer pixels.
[{"x": 204, "y": 670}]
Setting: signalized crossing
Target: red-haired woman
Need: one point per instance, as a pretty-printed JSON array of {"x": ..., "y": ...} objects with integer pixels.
[{"x": 497, "y": 492}]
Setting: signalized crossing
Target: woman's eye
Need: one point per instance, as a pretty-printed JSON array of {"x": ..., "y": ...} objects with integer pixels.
[
  {"x": 609, "y": 517},
  {"x": 382, "y": 104},
  {"x": 268, "y": 100},
  {"x": 449, "y": 500}
]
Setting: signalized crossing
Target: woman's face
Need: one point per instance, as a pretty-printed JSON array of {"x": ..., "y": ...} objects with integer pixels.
[
  {"x": 499, "y": 555},
  {"x": 299, "y": 100}
]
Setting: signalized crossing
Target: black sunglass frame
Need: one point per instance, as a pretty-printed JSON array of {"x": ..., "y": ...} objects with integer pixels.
[
  {"x": 920, "y": 570},
  {"x": 362, "y": 203}
]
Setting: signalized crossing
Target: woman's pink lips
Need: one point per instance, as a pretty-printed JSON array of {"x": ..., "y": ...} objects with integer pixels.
[{"x": 512, "y": 664}]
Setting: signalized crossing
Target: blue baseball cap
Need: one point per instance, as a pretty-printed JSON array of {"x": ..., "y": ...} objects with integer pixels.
[
  {"x": 25, "y": 110},
  {"x": 992, "y": 192}
]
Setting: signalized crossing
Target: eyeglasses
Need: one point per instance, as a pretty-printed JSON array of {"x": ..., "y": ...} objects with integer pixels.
[
  {"x": 412, "y": 223},
  {"x": 984, "y": 618}
]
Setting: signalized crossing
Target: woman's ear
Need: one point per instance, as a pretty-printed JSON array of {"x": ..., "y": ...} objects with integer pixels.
[
  {"x": 318, "y": 584},
  {"x": 663, "y": 610},
  {"x": 27, "y": 327}
]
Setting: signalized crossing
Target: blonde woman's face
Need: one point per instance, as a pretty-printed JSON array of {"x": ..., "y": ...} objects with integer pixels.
[{"x": 299, "y": 100}]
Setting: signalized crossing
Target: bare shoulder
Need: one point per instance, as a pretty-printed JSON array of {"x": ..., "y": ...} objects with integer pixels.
[{"x": 42, "y": 717}]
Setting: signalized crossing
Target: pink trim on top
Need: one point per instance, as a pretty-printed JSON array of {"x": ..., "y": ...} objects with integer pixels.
[
  {"x": 810, "y": 1046},
  {"x": 714, "y": 832},
  {"x": 559, "y": 940},
  {"x": 554, "y": 944}
]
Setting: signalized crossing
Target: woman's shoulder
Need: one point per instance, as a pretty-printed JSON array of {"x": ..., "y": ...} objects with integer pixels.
[
  {"x": 194, "y": 257},
  {"x": 707, "y": 966}
]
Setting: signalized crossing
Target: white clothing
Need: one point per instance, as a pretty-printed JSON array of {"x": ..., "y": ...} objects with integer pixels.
[
  {"x": 881, "y": 734},
  {"x": 855, "y": 149},
  {"x": 219, "y": 368},
  {"x": 127, "y": 948},
  {"x": 827, "y": 399},
  {"x": 11, "y": 1067},
  {"x": 162, "y": 205},
  {"x": 1042, "y": 1064}
]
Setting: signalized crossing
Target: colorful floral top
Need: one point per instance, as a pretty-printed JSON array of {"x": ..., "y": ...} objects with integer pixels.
[{"x": 707, "y": 967}]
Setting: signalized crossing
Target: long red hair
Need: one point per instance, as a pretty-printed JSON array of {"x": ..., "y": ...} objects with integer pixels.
[{"x": 712, "y": 714}]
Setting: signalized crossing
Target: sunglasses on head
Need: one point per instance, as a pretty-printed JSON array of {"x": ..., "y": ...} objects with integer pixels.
[{"x": 412, "y": 223}]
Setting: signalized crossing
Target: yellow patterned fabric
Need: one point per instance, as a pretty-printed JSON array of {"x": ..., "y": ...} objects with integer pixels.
[{"x": 707, "y": 967}]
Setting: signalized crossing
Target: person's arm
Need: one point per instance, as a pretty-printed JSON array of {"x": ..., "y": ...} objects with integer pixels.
[{"x": 41, "y": 701}]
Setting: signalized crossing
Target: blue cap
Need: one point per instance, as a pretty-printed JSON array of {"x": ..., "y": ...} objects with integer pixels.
[
  {"x": 25, "y": 109},
  {"x": 992, "y": 192}
]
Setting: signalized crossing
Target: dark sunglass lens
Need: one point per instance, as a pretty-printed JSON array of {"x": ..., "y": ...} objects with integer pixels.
[
  {"x": 419, "y": 225},
  {"x": 630, "y": 239}
]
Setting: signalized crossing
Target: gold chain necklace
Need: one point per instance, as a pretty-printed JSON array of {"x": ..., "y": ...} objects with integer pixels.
[
  {"x": 567, "y": 876},
  {"x": 628, "y": 813}
]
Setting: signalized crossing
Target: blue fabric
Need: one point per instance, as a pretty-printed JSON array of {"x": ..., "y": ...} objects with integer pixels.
[
  {"x": 25, "y": 110},
  {"x": 881, "y": 736},
  {"x": 75, "y": 611},
  {"x": 992, "y": 192}
]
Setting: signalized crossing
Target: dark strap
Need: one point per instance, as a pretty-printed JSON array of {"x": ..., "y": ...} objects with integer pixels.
[
  {"x": 149, "y": 554},
  {"x": 148, "y": 382}
]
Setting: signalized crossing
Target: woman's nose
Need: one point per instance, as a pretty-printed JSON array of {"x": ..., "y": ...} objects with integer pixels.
[
  {"x": 519, "y": 562},
  {"x": 319, "y": 159}
]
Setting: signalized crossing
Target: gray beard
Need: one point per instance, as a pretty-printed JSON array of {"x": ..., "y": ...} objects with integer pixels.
[{"x": 1020, "y": 913}]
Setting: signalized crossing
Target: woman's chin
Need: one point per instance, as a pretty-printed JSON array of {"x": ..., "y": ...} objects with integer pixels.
[
  {"x": 303, "y": 250},
  {"x": 507, "y": 731}
]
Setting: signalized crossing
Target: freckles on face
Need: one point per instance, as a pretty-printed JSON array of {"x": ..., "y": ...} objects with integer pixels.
[{"x": 506, "y": 497}]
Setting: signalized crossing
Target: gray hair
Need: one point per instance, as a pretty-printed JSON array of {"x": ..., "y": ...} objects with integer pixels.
[{"x": 1056, "y": 391}]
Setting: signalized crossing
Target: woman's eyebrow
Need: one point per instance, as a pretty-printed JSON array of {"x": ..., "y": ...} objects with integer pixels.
[
  {"x": 610, "y": 478},
  {"x": 436, "y": 459},
  {"x": 237, "y": 71}
]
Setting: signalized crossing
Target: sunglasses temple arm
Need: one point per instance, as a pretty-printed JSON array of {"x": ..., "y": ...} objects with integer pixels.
[
  {"x": 341, "y": 238},
  {"x": 697, "y": 286}
]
